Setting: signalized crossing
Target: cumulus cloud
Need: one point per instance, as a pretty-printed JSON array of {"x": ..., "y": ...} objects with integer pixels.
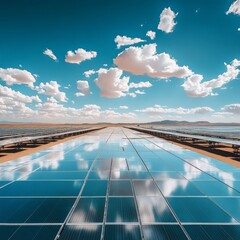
[
  {"x": 13, "y": 104},
  {"x": 151, "y": 34},
  {"x": 79, "y": 56},
  {"x": 140, "y": 85},
  {"x": 145, "y": 60},
  {"x": 117, "y": 117},
  {"x": 83, "y": 86},
  {"x": 157, "y": 109},
  {"x": 234, "y": 8},
  {"x": 52, "y": 89},
  {"x": 133, "y": 95},
  {"x": 111, "y": 83},
  {"x": 88, "y": 73},
  {"x": 79, "y": 94},
  {"x": 52, "y": 111},
  {"x": 140, "y": 92},
  {"x": 123, "y": 107},
  {"x": 17, "y": 76},
  {"x": 49, "y": 52},
  {"x": 232, "y": 108},
  {"x": 6, "y": 92},
  {"x": 167, "y": 23},
  {"x": 123, "y": 41},
  {"x": 194, "y": 86}
]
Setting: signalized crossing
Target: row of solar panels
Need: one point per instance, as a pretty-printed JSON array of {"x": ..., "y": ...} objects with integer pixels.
[
  {"x": 30, "y": 139},
  {"x": 197, "y": 137},
  {"x": 6, "y": 133}
]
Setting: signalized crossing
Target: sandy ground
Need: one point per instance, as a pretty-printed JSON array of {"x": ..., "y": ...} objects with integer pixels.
[{"x": 228, "y": 160}]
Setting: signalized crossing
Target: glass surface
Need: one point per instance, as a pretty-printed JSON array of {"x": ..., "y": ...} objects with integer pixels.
[
  {"x": 120, "y": 175},
  {"x": 140, "y": 175},
  {"x": 178, "y": 187},
  {"x": 154, "y": 209},
  {"x": 119, "y": 164},
  {"x": 2, "y": 183},
  {"x": 146, "y": 188},
  {"x": 99, "y": 174},
  {"x": 34, "y": 210},
  {"x": 197, "y": 176},
  {"x": 230, "y": 205},
  {"x": 39, "y": 175},
  {"x": 28, "y": 232},
  {"x": 95, "y": 188},
  {"x": 88, "y": 210},
  {"x": 210, "y": 232},
  {"x": 103, "y": 164},
  {"x": 121, "y": 210},
  {"x": 200, "y": 210},
  {"x": 79, "y": 232},
  {"x": 136, "y": 166},
  {"x": 11, "y": 175},
  {"x": 68, "y": 166},
  {"x": 234, "y": 184},
  {"x": 120, "y": 188},
  {"x": 42, "y": 188},
  {"x": 128, "y": 232},
  {"x": 215, "y": 188},
  {"x": 166, "y": 175},
  {"x": 163, "y": 232}
]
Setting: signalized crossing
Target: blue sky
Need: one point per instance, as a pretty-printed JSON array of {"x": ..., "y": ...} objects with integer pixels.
[{"x": 176, "y": 72}]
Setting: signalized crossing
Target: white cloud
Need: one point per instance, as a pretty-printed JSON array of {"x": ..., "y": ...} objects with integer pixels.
[
  {"x": 79, "y": 56},
  {"x": 88, "y": 73},
  {"x": 133, "y": 95},
  {"x": 116, "y": 116},
  {"x": 51, "y": 89},
  {"x": 79, "y": 94},
  {"x": 111, "y": 84},
  {"x": 88, "y": 113},
  {"x": 17, "y": 76},
  {"x": 36, "y": 99},
  {"x": 50, "y": 53},
  {"x": 151, "y": 34},
  {"x": 232, "y": 108},
  {"x": 13, "y": 104},
  {"x": 157, "y": 109},
  {"x": 123, "y": 41},
  {"x": 52, "y": 111},
  {"x": 6, "y": 92},
  {"x": 123, "y": 107},
  {"x": 239, "y": 29},
  {"x": 83, "y": 86},
  {"x": 144, "y": 60},
  {"x": 194, "y": 86},
  {"x": 140, "y": 92},
  {"x": 167, "y": 23},
  {"x": 140, "y": 85},
  {"x": 234, "y": 8}
]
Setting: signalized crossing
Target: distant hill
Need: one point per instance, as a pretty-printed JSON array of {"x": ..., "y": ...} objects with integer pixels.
[{"x": 170, "y": 122}]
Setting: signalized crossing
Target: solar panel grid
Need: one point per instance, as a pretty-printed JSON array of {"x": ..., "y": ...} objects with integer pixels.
[{"x": 126, "y": 188}]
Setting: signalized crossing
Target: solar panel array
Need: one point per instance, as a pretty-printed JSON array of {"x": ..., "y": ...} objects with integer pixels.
[
  {"x": 118, "y": 184},
  {"x": 13, "y": 132}
]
